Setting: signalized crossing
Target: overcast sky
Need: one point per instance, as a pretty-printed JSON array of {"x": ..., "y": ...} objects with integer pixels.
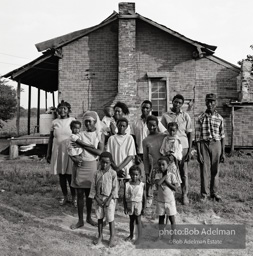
[{"x": 224, "y": 23}]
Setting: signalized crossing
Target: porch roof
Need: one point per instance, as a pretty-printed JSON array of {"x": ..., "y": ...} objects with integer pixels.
[{"x": 41, "y": 73}]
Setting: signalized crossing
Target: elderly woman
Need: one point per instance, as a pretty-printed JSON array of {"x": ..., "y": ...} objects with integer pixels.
[
  {"x": 57, "y": 154},
  {"x": 92, "y": 142}
]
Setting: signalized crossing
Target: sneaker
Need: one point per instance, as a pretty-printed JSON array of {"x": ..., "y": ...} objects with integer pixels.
[{"x": 215, "y": 197}]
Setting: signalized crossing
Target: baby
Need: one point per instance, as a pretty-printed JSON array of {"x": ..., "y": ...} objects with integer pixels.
[
  {"x": 75, "y": 152},
  {"x": 108, "y": 119}
]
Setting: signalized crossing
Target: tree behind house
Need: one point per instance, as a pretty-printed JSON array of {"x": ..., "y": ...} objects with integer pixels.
[{"x": 8, "y": 102}]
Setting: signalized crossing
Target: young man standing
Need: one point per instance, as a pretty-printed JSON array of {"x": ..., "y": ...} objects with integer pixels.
[
  {"x": 210, "y": 147},
  {"x": 151, "y": 153},
  {"x": 175, "y": 114},
  {"x": 140, "y": 129}
]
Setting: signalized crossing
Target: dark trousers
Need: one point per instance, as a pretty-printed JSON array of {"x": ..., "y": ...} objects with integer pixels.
[
  {"x": 183, "y": 169},
  {"x": 211, "y": 152}
]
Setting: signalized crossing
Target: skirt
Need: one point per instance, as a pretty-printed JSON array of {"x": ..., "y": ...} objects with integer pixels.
[{"x": 82, "y": 176}]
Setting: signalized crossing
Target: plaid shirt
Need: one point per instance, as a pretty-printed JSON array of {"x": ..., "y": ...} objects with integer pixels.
[{"x": 209, "y": 127}]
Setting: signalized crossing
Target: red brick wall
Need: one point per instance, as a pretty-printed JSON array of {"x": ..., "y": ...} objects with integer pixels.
[
  {"x": 154, "y": 50},
  {"x": 90, "y": 62},
  {"x": 243, "y": 131},
  {"x": 213, "y": 77},
  {"x": 127, "y": 85},
  {"x": 157, "y": 51}
]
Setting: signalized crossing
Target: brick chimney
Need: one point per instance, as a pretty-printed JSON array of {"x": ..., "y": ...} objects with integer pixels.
[
  {"x": 127, "y": 85},
  {"x": 126, "y": 8}
]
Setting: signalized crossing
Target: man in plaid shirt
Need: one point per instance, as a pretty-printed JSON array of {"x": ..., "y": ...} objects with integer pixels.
[{"x": 210, "y": 136}]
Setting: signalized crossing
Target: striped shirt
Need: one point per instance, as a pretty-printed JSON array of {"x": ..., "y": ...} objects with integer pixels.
[{"x": 209, "y": 127}]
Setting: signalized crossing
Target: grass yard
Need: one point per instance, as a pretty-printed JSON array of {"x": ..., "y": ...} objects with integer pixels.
[
  {"x": 33, "y": 223},
  {"x": 9, "y": 128}
]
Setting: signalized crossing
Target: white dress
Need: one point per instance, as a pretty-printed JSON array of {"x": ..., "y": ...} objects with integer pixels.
[
  {"x": 122, "y": 146},
  {"x": 61, "y": 163}
]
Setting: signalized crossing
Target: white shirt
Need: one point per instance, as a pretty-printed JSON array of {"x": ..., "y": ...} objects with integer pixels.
[{"x": 122, "y": 146}]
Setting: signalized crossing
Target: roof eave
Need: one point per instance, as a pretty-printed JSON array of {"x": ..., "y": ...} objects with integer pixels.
[
  {"x": 202, "y": 48},
  {"x": 60, "y": 41},
  {"x": 18, "y": 71}
]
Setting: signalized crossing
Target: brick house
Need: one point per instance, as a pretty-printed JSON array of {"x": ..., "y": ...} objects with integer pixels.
[{"x": 130, "y": 58}]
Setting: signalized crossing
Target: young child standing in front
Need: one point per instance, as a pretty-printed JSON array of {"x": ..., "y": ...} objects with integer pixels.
[
  {"x": 172, "y": 146},
  {"x": 134, "y": 201},
  {"x": 167, "y": 182},
  {"x": 104, "y": 191}
]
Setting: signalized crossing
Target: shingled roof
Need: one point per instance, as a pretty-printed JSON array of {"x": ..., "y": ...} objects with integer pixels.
[
  {"x": 60, "y": 41},
  {"x": 42, "y": 72}
]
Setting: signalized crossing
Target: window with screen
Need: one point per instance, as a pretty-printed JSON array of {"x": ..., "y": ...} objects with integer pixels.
[{"x": 158, "y": 96}]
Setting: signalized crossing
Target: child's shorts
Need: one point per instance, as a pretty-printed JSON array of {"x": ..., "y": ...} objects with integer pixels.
[
  {"x": 107, "y": 212},
  {"x": 166, "y": 208},
  {"x": 134, "y": 208}
]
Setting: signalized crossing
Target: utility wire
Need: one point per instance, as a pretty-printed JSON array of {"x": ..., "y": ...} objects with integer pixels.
[
  {"x": 10, "y": 63},
  {"x": 13, "y": 56}
]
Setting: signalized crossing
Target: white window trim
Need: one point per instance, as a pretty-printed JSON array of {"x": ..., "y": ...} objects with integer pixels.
[{"x": 164, "y": 76}]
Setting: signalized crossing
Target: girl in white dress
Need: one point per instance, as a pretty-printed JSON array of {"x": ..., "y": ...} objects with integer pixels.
[{"x": 57, "y": 155}]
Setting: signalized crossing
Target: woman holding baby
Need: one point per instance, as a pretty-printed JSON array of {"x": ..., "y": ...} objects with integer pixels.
[{"x": 92, "y": 142}]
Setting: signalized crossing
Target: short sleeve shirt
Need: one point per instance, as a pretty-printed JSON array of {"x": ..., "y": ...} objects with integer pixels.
[
  {"x": 184, "y": 125},
  {"x": 165, "y": 194}
]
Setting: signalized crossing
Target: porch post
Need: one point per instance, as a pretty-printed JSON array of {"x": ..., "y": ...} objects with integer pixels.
[
  {"x": 46, "y": 100},
  {"x": 29, "y": 111},
  {"x": 53, "y": 99},
  {"x": 232, "y": 129},
  {"x": 18, "y": 107},
  {"x": 38, "y": 112}
]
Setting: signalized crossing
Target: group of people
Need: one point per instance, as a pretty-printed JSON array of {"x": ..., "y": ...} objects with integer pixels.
[{"x": 148, "y": 155}]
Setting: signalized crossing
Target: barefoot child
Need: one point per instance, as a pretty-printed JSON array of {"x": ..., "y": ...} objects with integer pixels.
[
  {"x": 167, "y": 182},
  {"x": 104, "y": 191},
  {"x": 134, "y": 201}
]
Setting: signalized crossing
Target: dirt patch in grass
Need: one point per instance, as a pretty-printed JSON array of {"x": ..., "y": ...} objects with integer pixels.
[{"x": 33, "y": 223}]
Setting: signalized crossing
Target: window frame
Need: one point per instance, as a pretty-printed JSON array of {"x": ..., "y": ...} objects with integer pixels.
[{"x": 162, "y": 77}]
